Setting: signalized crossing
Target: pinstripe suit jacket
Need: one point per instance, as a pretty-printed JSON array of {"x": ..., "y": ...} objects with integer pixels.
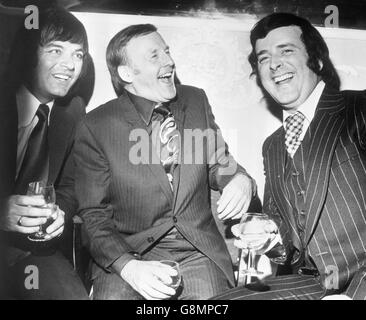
[
  {"x": 127, "y": 207},
  {"x": 335, "y": 198}
]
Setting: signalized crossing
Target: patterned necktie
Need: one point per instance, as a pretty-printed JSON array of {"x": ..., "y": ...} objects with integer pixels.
[
  {"x": 294, "y": 124},
  {"x": 169, "y": 140},
  {"x": 35, "y": 162}
]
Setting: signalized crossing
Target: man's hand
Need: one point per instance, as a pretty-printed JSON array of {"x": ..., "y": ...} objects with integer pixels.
[
  {"x": 57, "y": 227},
  {"x": 268, "y": 236},
  {"x": 20, "y": 214},
  {"x": 235, "y": 198},
  {"x": 151, "y": 279}
]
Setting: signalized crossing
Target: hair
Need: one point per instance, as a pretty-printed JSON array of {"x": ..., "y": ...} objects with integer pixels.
[
  {"x": 55, "y": 24},
  {"x": 315, "y": 45},
  {"x": 116, "y": 51}
]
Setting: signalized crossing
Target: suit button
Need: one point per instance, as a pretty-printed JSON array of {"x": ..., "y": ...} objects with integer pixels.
[
  {"x": 175, "y": 219},
  {"x": 302, "y": 212},
  {"x": 295, "y": 173},
  {"x": 150, "y": 239},
  {"x": 300, "y": 193}
]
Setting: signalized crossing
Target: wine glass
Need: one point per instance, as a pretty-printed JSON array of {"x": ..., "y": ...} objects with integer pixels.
[
  {"x": 253, "y": 236},
  {"x": 47, "y": 191},
  {"x": 176, "y": 280}
]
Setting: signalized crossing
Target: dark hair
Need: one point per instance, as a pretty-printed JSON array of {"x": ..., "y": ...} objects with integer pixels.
[
  {"x": 315, "y": 45},
  {"x": 116, "y": 51},
  {"x": 55, "y": 24}
]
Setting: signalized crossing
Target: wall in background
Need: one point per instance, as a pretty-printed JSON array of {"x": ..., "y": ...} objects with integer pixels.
[{"x": 212, "y": 54}]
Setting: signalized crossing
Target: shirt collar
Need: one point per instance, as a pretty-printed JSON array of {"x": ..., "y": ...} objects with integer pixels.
[
  {"x": 144, "y": 106},
  {"x": 27, "y": 106},
  {"x": 308, "y": 108}
]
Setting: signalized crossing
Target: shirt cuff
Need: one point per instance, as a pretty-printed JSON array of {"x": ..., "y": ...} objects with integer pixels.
[{"x": 120, "y": 263}]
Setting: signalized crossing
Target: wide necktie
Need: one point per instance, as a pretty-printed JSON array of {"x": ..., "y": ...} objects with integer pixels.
[
  {"x": 35, "y": 162},
  {"x": 169, "y": 140},
  {"x": 293, "y": 127}
]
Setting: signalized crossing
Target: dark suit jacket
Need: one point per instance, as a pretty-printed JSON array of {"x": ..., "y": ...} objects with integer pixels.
[
  {"x": 335, "y": 198},
  {"x": 128, "y": 207},
  {"x": 62, "y": 126}
]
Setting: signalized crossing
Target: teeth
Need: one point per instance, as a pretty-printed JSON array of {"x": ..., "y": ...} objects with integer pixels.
[
  {"x": 166, "y": 75},
  {"x": 283, "y": 77},
  {"x": 62, "y": 76}
]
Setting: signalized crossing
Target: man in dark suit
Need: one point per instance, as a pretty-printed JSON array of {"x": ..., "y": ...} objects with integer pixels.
[
  {"x": 143, "y": 200},
  {"x": 315, "y": 165},
  {"x": 44, "y": 65}
]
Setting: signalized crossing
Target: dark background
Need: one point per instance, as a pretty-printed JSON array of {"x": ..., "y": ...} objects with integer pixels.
[{"x": 352, "y": 13}]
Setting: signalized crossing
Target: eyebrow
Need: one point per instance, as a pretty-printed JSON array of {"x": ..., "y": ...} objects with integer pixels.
[
  {"x": 156, "y": 49},
  {"x": 53, "y": 44},
  {"x": 280, "y": 46}
]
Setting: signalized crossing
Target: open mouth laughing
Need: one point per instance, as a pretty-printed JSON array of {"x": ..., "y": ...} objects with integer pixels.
[
  {"x": 284, "y": 78},
  {"x": 62, "y": 76},
  {"x": 166, "y": 77}
]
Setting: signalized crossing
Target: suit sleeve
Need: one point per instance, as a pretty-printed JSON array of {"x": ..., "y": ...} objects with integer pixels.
[
  {"x": 222, "y": 165},
  {"x": 93, "y": 178},
  {"x": 65, "y": 190}
]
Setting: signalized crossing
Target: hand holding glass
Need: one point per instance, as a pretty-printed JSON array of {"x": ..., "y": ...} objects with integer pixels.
[
  {"x": 253, "y": 234},
  {"x": 176, "y": 280},
  {"x": 39, "y": 188}
]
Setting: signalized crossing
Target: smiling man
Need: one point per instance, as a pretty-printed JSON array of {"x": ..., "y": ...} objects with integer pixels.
[
  {"x": 37, "y": 136},
  {"x": 136, "y": 214},
  {"x": 315, "y": 165}
]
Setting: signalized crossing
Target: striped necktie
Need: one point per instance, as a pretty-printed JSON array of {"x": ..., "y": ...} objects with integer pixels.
[{"x": 169, "y": 140}]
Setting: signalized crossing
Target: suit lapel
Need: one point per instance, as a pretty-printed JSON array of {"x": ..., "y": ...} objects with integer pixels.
[
  {"x": 275, "y": 158},
  {"x": 60, "y": 130},
  {"x": 325, "y": 128},
  {"x": 131, "y": 116}
]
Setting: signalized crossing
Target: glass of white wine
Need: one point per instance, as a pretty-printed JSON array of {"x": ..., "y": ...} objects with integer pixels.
[
  {"x": 47, "y": 191},
  {"x": 253, "y": 237},
  {"x": 176, "y": 280}
]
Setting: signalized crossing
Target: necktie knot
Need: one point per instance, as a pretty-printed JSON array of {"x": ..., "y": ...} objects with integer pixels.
[
  {"x": 293, "y": 125},
  {"x": 163, "y": 110},
  {"x": 42, "y": 112}
]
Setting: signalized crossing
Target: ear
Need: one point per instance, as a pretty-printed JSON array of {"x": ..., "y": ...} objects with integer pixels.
[
  {"x": 125, "y": 73},
  {"x": 320, "y": 65}
]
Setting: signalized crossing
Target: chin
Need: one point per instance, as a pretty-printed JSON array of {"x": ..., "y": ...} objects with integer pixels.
[
  {"x": 60, "y": 93},
  {"x": 170, "y": 96}
]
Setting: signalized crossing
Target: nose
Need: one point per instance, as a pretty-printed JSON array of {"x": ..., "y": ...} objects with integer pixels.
[
  {"x": 276, "y": 62},
  {"x": 168, "y": 60},
  {"x": 68, "y": 62}
]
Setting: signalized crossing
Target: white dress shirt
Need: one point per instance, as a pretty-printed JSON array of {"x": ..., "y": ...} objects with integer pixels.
[{"x": 307, "y": 109}]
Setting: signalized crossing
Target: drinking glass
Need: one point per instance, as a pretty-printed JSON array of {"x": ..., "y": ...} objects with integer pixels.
[
  {"x": 47, "y": 191},
  {"x": 253, "y": 237},
  {"x": 176, "y": 280}
]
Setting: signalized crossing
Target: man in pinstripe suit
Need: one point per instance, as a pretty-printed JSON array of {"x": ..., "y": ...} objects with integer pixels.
[
  {"x": 135, "y": 213},
  {"x": 315, "y": 165}
]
